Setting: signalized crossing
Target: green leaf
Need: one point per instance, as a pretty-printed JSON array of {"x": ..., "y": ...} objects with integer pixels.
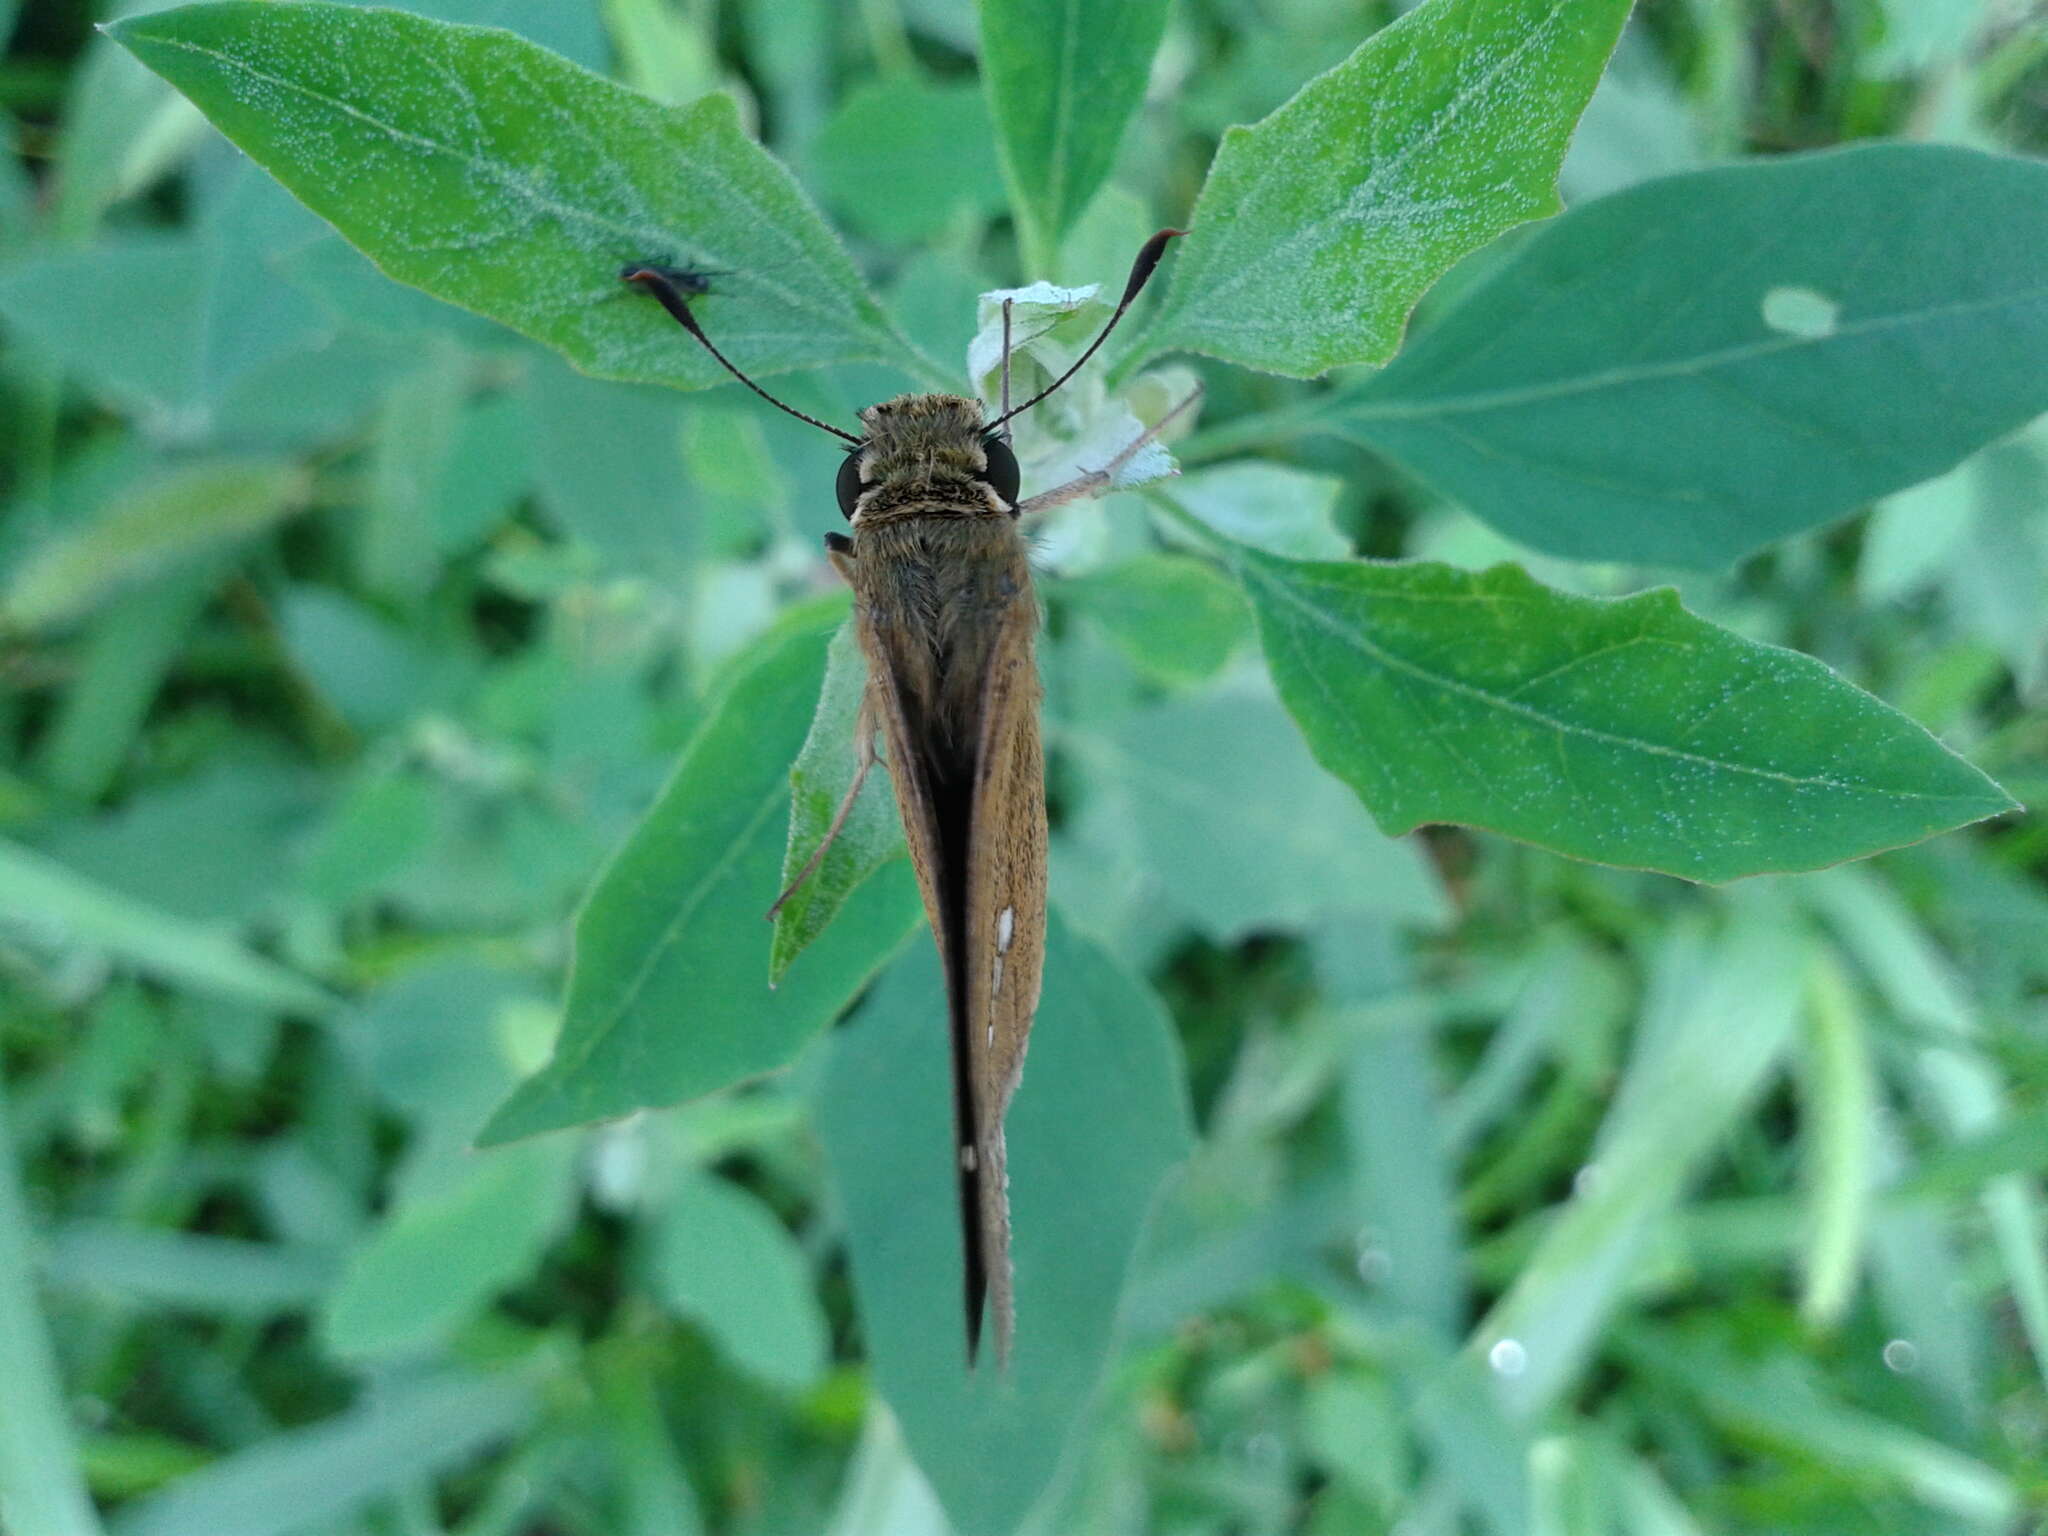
[
  {"x": 125, "y": 656},
  {"x": 1321, "y": 225},
  {"x": 42, "y": 1488},
  {"x": 903, "y": 158},
  {"x": 1253, "y": 837},
  {"x": 146, "y": 849},
  {"x": 1404, "y": 1181},
  {"x": 447, "y": 1250},
  {"x": 295, "y": 1477},
  {"x": 1274, "y": 507},
  {"x": 175, "y": 327},
  {"x": 824, "y": 769},
  {"x": 722, "y": 1259},
  {"x": 411, "y": 450},
  {"x": 187, "y": 1271},
  {"x": 1692, "y": 368},
  {"x": 500, "y": 177},
  {"x": 1626, "y": 731},
  {"x": 1174, "y": 618},
  {"x": 1100, "y": 1120},
  {"x": 1838, "y": 1143},
  {"x": 607, "y": 462},
  {"x": 668, "y": 992},
  {"x": 187, "y": 511},
  {"x": 1063, "y": 82},
  {"x": 1721, "y": 1020},
  {"x": 1780, "y": 1402},
  {"x": 43, "y": 897}
]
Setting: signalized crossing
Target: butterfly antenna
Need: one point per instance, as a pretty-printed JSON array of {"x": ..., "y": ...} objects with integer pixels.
[
  {"x": 658, "y": 283},
  {"x": 1006, "y": 367},
  {"x": 1141, "y": 270}
]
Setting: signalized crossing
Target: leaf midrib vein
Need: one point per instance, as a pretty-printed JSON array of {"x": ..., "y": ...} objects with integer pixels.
[
  {"x": 630, "y": 994},
  {"x": 1401, "y": 664},
  {"x": 1244, "y": 271},
  {"x": 496, "y": 170},
  {"x": 1425, "y": 408}
]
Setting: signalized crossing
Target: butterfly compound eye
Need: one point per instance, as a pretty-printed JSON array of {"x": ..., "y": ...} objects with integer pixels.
[
  {"x": 1003, "y": 474},
  {"x": 849, "y": 486}
]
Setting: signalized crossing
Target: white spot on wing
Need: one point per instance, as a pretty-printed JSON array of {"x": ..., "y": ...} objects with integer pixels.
[
  {"x": 1006, "y": 928},
  {"x": 967, "y": 1159}
]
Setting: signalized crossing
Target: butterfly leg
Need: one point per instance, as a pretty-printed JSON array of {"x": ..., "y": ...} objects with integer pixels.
[
  {"x": 864, "y": 747},
  {"x": 1095, "y": 481}
]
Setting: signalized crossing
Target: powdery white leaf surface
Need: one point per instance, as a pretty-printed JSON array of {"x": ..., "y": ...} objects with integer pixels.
[
  {"x": 1321, "y": 225},
  {"x": 500, "y": 177}
]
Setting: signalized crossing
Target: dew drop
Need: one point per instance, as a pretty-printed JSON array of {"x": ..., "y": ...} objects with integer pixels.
[
  {"x": 1507, "y": 1357},
  {"x": 1370, "y": 1257},
  {"x": 1901, "y": 1356}
]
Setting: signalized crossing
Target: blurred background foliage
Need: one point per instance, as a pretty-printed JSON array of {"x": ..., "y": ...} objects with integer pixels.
[{"x": 347, "y": 633}]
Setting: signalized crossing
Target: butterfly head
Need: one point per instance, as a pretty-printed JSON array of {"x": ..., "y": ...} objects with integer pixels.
[{"x": 927, "y": 455}]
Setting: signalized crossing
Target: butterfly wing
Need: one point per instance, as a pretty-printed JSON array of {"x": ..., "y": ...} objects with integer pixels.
[
  {"x": 948, "y": 621},
  {"x": 1003, "y": 935}
]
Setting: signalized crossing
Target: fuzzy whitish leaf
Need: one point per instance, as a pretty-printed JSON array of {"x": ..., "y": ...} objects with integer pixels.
[
  {"x": 1237, "y": 824},
  {"x": 1083, "y": 425},
  {"x": 824, "y": 769},
  {"x": 1174, "y": 618},
  {"x": 1098, "y": 1123},
  {"x": 1627, "y": 731},
  {"x": 721, "y": 1259},
  {"x": 1321, "y": 225},
  {"x": 1999, "y": 569},
  {"x": 1063, "y": 82},
  {"x": 1828, "y": 328},
  {"x": 1274, "y": 507},
  {"x": 1839, "y": 1144},
  {"x": 500, "y": 177},
  {"x": 668, "y": 990},
  {"x": 1911, "y": 539},
  {"x": 146, "y": 529}
]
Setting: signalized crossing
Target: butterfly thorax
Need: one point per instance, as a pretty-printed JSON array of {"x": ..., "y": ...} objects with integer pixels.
[{"x": 923, "y": 456}]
